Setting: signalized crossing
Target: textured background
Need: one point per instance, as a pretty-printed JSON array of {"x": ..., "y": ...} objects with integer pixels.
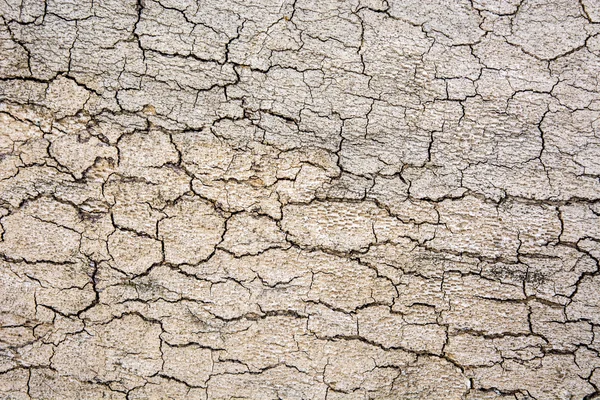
[{"x": 275, "y": 199}]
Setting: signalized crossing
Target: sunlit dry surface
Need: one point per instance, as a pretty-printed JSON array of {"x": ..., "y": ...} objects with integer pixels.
[{"x": 300, "y": 199}]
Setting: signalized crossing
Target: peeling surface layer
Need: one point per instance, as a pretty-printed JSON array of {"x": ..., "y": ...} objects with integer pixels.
[{"x": 300, "y": 199}]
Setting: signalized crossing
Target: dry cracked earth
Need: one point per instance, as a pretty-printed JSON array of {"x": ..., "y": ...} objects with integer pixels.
[{"x": 276, "y": 199}]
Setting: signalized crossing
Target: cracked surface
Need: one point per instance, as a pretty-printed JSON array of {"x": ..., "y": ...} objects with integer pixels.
[{"x": 298, "y": 199}]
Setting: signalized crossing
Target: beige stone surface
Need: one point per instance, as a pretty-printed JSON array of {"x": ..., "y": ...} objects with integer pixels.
[{"x": 300, "y": 199}]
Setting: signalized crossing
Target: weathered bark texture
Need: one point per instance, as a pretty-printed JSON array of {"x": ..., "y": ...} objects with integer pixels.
[{"x": 300, "y": 199}]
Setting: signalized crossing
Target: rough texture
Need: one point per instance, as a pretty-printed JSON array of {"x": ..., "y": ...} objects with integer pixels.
[{"x": 300, "y": 199}]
